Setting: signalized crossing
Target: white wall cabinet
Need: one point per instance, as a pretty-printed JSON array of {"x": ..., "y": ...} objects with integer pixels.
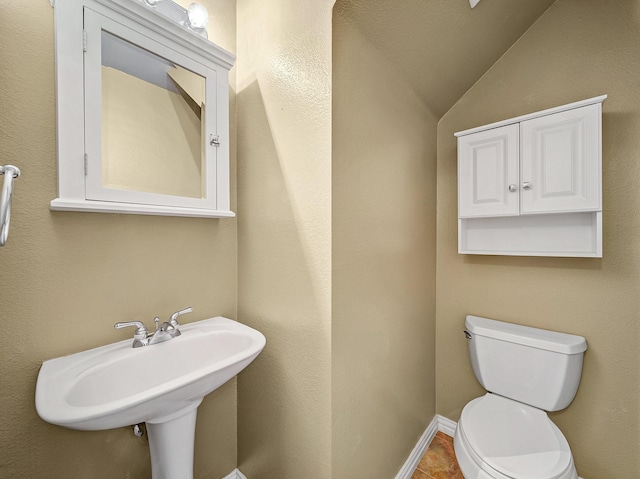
[
  {"x": 532, "y": 185},
  {"x": 142, "y": 112}
]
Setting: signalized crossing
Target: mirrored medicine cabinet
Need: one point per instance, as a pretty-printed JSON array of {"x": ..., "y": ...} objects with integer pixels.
[{"x": 142, "y": 113}]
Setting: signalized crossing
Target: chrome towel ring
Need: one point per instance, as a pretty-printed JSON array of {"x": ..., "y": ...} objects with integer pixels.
[{"x": 10, "y": 172}]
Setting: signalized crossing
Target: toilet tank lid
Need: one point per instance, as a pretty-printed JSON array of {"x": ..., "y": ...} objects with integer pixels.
[{"x": 533, "y": 337}]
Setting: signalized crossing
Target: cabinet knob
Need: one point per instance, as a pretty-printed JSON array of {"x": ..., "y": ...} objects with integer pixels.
[
  {"x": 526, "y": 185},
  {"x": 513, "y": 188}
]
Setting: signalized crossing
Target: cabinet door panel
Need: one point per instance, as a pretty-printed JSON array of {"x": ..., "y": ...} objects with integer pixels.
[
  {"x": 487, "y": 166},
  {"x": 561, "y": 162}
]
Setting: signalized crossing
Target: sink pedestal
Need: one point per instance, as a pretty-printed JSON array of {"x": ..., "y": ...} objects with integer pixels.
[{"x": 171, "y": 443}]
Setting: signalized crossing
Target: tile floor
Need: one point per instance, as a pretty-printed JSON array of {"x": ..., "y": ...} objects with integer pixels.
[{"x": 439, "y": 462}]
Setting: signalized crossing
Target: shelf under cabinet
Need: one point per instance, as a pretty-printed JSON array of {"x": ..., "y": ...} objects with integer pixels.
[{"x": 566, "y": 234}]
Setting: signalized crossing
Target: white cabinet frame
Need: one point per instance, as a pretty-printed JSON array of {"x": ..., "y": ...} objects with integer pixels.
[
  {"x": 554, "y": 207},
  {"x": 71, "y": 148}
]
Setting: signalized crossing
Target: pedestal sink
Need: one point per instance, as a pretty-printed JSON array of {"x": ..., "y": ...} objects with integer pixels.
[{"x": 162, "y": 385}]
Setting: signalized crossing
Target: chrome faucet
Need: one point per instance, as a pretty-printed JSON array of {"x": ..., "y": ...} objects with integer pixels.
[
  {"x": 140, "y": 337},
  {"x": 163, "y": 332}
]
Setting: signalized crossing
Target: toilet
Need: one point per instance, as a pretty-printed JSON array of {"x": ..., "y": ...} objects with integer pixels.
[{"x": 506, "y": 434}]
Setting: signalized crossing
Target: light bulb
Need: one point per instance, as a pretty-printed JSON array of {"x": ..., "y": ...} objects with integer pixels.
[{"x": 198, "y": 16}]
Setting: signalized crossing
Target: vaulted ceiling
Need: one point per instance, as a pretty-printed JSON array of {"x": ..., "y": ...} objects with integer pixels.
[{"x": 442, "y": 47}]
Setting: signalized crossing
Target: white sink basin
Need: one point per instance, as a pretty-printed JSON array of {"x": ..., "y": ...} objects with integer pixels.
[{"x": 117, "y": 385}]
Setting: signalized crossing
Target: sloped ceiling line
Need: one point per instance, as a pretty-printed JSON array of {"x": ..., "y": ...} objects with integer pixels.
[{"x": 441, "y": 48}]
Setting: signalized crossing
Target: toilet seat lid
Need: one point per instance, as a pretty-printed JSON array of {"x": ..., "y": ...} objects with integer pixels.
[{"x": 515, "y": 439}]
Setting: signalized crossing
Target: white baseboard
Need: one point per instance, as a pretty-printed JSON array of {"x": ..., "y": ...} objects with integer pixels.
[
  {"x": 235, "y": 475},
  {"x": 446, "y": 425},
  {"x": 438, "y": 423}
]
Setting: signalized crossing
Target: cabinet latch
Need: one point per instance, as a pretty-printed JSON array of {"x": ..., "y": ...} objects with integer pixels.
[{"x": 214, "y": 141}]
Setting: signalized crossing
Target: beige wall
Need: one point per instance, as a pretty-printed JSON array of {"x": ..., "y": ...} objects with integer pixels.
[
  {"x": 65, "y": 278},
  {"x": 383, "y": 257},
  {"x": 284, "y": 235},
  {"x": 577, "y": 50}
]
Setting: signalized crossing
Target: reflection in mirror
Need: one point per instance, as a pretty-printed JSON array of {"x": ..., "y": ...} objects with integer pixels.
[{"x": 152, "y": 125}]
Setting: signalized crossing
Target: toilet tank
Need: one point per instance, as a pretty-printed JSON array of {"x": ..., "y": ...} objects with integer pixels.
[{"x": 535, "y": 366}]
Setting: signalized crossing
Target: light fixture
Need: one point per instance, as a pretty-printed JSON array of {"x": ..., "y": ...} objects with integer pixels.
[
  {"x": 198, "y": 17},
  {"x": 195, "y": 18}
]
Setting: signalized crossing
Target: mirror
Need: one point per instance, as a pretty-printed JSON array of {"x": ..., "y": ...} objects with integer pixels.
[
  {"x": 152, "y": 122},
  {"x": 142, "y": 112}
]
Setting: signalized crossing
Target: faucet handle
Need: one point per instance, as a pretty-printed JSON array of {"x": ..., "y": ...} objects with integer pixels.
[
  {"x": 141, "y": 330},
  {"x": 174, "y": 317}
]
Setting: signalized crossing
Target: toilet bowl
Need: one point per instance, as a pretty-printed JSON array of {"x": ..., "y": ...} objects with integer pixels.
[
  {"x": 499, "y": 438},
  {"x": 507, "y": 434}
]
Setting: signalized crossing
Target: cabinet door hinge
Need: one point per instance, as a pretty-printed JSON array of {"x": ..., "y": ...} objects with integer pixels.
[
  {"x": 86, "y": 164},
  {"x": 84, "y": 40}
]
